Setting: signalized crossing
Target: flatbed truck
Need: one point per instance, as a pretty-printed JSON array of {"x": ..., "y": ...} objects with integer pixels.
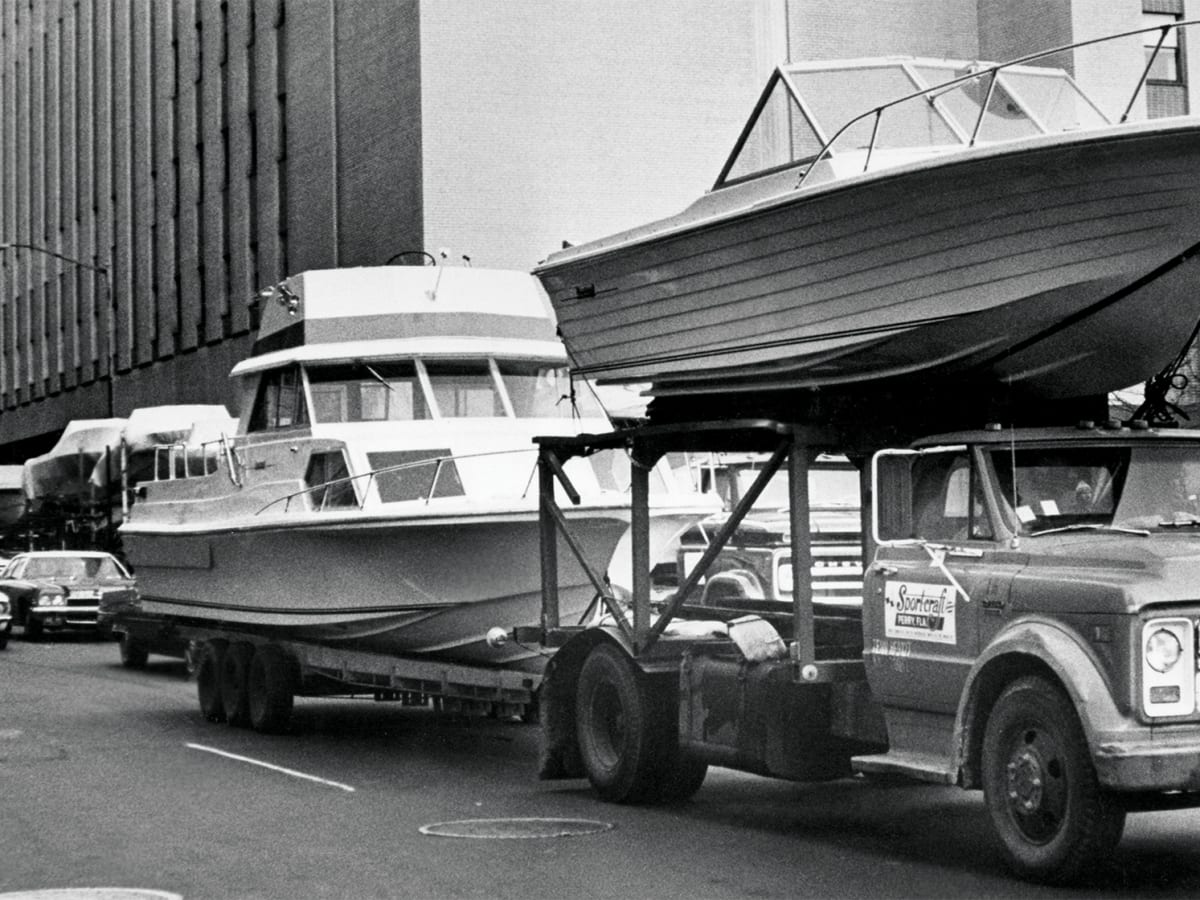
[{"x": 1031, "y": 605}]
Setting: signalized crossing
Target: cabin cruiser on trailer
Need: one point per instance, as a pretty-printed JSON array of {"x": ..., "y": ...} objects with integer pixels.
[{"x": 381, "y": 489}]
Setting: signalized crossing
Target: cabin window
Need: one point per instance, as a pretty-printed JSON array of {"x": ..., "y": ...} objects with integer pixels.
[
  {"x": 539, "y": 391},
  {"x": 367, "y": 392},
  {"x": 415, "y": 474},
  {"x": 328, "y": 476},
  {"x": 280, "y": 401},
  {"x": 465, "y": 389}
]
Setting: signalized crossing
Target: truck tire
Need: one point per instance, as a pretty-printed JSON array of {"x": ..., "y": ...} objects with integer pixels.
[
  {"x": 682, "y": 777},
  {"x": 235, "y": 679},
  {"x": 208, "y": 680},
  {"x": 134, "y": 655},
  {"x": 621, "y": 740},
  {"x": 270, "y": 689},
  {"x": 1053, "y": 819}
]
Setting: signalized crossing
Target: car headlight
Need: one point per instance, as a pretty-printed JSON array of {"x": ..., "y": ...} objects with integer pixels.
[
  {"x": 1163, "y": 650},
  {"x": 4, "y": 607},
  {"x": 51, "y": 600}
]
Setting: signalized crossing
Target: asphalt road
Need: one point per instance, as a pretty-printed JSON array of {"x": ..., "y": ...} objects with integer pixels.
[{"x": 111, "y": 777}]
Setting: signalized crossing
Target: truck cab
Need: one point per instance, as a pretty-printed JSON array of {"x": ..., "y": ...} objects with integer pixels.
[{"x": 1030, "y": 623}]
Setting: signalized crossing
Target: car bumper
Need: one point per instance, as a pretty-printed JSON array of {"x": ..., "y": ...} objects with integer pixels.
[{"x": 66, "y": 616}]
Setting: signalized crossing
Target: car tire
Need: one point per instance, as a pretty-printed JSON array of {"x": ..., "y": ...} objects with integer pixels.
[
  {"x": 208, "y": 680},
  {"x": 270, "y": 689},
  {"x": 134, "y": 654},
  {"x": 4, "y": 633},
  {"x": 235, "y": 679},
  {"x": 33, "y": 627},
  {"x": 1054, "y": 820}
]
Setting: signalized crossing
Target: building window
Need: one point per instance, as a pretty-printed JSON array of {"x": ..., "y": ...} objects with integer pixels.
[{"x": 1167, "y": 67}]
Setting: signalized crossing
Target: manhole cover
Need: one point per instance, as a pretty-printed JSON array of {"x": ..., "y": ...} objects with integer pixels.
[
  {"x": 92, "y": 893},
  {"x": 515, "y": 828}
]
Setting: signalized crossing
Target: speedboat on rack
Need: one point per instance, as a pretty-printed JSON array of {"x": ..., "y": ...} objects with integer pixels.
[
  {"x": 984, "y": 221},
  {"x": 380, "y": 490}
]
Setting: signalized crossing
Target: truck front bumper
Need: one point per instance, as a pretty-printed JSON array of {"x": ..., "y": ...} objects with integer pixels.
[{"x": 1157, "y": 759}]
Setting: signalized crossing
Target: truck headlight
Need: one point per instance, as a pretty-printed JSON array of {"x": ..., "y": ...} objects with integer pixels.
[
  {"x": 1168, "y": 667},
  {"x": 1163, "y": 650},
  {"x": 783, "y": 578}
]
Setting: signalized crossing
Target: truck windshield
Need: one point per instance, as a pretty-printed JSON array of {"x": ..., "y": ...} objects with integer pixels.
[{"x": 1121, "y": 487}]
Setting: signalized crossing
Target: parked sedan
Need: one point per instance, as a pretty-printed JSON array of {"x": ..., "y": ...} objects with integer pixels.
[{"x": 56, "y": 589}]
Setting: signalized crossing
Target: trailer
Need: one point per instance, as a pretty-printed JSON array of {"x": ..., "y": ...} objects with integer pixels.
[
  {"x": 1028, "y": 628},
  {"x": 250, "y": 678}
]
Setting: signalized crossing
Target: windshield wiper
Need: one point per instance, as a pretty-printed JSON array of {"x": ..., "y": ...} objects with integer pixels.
[
  {"x": 1093, "y": 527},
  {"x": 377, "y": 377}
]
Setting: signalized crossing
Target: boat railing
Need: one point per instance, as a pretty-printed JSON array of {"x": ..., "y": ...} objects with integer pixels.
[
  {"x": 439, "y": 464},
  {"x": 932, "y": 94},
  {"x": 180, "y": 455}
]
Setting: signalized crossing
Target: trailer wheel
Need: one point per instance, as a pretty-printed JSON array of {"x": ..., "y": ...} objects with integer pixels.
[
  {"x": 208, "y": 680},
  {"x": 270, "y": 689},
  {"x": 620, "y": 738},
  {"x": 1047, "y": 807},
  {"x": 235, "y": 672},
  {"x": 134, "y": 655}
]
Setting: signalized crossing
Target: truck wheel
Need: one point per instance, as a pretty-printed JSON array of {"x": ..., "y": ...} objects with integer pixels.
[
  {"x": 620, "y": 738},
  {"x": 270, "y": 687},
  {"x": 235, "y": 679},
  {"x": 134, "y": 655},
  {"x": 208, "y": 680},
  {"x": 1047, "y": 807}
]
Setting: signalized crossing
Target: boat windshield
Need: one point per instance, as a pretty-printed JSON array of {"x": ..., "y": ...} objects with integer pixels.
[
  {"x": 807, "y": 105},
  {"x": 1152, "y": 487},
  {"x": 393, "y": 391}
]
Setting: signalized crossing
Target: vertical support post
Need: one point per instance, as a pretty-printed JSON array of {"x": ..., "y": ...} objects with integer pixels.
[
  {"x": 548, "y": 539},
  {"x": 639, "y": 526},
  {"x": 804, "y": 649},
  {"x": 124, "y": 461}
]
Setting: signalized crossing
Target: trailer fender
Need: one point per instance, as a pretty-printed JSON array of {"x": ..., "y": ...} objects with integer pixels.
[
  {"x": 1026, "y": 646},
  {"x": 560, "y": 745}
]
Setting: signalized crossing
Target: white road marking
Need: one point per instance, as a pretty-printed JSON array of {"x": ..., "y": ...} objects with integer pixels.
[{"x": 274, "y": 768}]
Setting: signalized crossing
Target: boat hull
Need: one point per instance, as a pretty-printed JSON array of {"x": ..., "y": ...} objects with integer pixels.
[
  {"x": 1015, "y": 263},
  {"x": 433, "y": 590}
]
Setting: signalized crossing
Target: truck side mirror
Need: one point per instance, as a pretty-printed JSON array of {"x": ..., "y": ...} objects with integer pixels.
[{"x": 892, "y": 492}]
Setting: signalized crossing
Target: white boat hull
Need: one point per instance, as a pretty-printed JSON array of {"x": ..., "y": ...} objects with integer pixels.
[
  {"x": 988, "y": 263},
  {"x": 410, "y": 589}
]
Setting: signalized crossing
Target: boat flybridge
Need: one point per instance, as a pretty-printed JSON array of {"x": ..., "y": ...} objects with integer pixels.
[{"x": 382, "y": 484}]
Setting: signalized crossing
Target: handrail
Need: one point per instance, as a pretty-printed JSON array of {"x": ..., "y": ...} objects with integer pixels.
[
  {"x": 436, "y": 461},
  {"x": 993, "y": 70}
]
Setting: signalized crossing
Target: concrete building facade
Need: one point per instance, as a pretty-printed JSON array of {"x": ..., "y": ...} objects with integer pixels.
[{"x": 163, "y": 160}]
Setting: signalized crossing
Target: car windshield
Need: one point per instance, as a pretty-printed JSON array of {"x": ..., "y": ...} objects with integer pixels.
[
  {"x": 828, "y": 488},
  {"x": 73, "y": 567},
  {"x": 1119, "y": 487}
]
